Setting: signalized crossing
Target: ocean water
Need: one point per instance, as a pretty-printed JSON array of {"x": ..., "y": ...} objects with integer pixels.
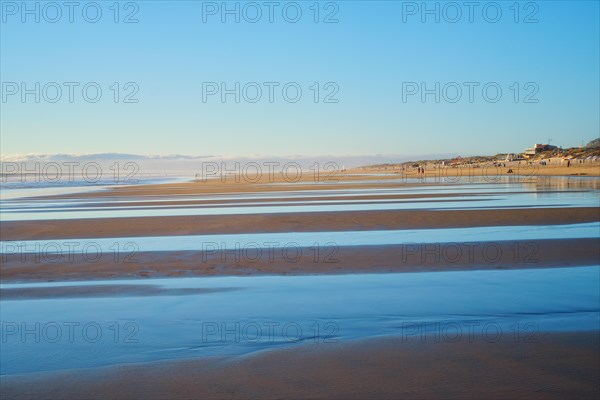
[
  {"x": 241, "y": 315},
  {"x": 19, "y": 187}
]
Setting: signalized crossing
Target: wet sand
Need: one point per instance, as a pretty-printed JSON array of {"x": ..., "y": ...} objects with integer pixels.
[
  {"x": 510, "y": 254},
  {"x": 548, "y": 253},
  {"x": 554, "y": 365},
  {"x": 535, "y": 366},
  {"x": 292, "y": 222}
]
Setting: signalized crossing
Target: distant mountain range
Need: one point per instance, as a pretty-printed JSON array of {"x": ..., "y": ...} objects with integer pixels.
[{"x": 186, "y": 164}]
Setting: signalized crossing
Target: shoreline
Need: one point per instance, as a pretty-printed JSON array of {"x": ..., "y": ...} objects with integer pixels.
[
  {"x": 348, "y": 179},
  {"x": 557, "y": 364},
  {"x": 353, "y": 259}
]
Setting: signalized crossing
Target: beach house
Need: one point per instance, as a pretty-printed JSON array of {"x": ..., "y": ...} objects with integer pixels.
[{"x": 538, "y": 148}]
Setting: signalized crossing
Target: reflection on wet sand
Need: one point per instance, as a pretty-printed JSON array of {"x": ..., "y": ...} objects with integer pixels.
[{"x": 91, "y": 291}]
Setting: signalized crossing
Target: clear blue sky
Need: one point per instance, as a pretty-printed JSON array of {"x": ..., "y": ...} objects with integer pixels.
[{"x": 369, "y": 53}]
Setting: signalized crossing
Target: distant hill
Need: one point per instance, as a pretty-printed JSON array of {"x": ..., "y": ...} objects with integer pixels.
[
  {"x": 592, "y": 149},
  {"x": 594, "y": 144}
]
